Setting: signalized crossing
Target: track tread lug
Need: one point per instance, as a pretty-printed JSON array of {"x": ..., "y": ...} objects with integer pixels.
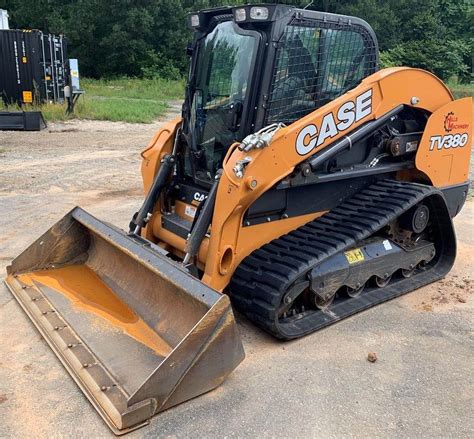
[{"x": 263, "y": 277}]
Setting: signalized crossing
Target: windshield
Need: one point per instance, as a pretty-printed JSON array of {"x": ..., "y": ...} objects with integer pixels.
[{"x": 222, "y": 82}]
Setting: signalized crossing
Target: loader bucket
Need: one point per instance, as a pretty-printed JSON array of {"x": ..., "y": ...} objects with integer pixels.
[{"x": 135, "y": 330}]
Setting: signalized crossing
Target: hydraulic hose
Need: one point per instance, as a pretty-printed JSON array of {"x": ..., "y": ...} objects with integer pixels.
[
  {"x": 202, "y": 223},
  {"x": 350, "y": 139},
  {"x": 143, "y": 215}
]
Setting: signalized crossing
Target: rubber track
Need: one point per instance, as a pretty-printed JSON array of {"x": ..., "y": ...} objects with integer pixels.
[{"x": 262, "y": 278}]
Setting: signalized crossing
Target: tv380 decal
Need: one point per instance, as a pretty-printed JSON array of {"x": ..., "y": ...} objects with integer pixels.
[
  {"x": 449, "y": 141},
  {"x": 350, "y": 112}
]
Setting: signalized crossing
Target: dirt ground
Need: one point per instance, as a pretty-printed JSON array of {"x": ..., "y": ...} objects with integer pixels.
[{"x": 421, "y": 385}]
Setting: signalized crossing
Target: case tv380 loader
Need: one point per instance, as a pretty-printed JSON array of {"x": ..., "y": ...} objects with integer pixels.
[{"x": 301, "y": 184}]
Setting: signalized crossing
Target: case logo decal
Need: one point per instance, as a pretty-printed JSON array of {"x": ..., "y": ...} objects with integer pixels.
[
  {"x": 199, "y": 197},
  {"x": 350, "y": 112}
]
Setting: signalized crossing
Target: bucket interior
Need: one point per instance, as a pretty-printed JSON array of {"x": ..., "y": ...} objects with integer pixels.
[{"x": 128, "y": 312}]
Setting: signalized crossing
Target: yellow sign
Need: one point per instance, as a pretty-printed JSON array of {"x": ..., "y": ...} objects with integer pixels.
[
  {"x": 24, "y": 60},
  {"x": 27, "y": 97},
  {"x": 354, "y": 256}
]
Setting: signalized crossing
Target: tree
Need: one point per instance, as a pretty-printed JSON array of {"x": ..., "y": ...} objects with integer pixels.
[
  {"x": 148, "y": 37},
  {"x": 435, "y": 37}
]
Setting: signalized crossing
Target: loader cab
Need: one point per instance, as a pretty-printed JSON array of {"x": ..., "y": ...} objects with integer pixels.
[{"x": 255, "y": 65}]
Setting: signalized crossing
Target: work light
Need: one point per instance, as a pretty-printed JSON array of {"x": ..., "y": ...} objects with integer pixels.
[
  {"x": 240, "y": 14},
  {"x": 195, "y": 20},
  {"x": 258, "y": 13}
]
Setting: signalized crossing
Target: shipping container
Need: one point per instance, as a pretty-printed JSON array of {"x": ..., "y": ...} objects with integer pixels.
[
  {"x": 33, "y": 67},
  {"x": 54, "y": 61}
]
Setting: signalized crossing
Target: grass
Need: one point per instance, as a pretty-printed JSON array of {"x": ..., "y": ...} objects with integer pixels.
[
  {"x": 143, "y": 100},
  {"x": 461, "y": 90},
  {"x": 127, "y": 100}
]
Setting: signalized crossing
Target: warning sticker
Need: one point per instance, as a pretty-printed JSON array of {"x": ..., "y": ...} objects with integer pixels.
[
  {"x": 27, "y": 97},
  {"x": 190, "y": 211},
  {"x": 354, "y": 256}
]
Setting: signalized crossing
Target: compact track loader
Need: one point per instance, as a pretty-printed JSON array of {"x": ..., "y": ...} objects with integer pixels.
[{"x": 301, "y": 183}]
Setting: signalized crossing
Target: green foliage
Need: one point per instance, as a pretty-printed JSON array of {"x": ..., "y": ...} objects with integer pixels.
[
  {"x": 380, "y": 15},
  {"x": 120, "y": 109},
  {"x": 444, "y": 60},
  {"x": 126, "y": 99},
  {"x": 155, "y": 65},
  {"x": 112, "y": 37},
  {"x": 460, "y": 90},
  {"x": 435, "y": 35},
  {"x": 146, "y": 38},
  {"x": 131, "y": 88}
]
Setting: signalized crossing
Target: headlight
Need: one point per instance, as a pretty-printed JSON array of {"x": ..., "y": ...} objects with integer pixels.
[
  {"x": 240, "y": 15},
  {"x": 258, "y": 13}
]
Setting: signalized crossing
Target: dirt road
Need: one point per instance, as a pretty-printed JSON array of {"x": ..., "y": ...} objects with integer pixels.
[{"x": 421, "y": 385}]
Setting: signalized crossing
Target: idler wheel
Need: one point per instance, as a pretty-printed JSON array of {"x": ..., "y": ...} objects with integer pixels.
[{"x": 416, "y": 219}]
